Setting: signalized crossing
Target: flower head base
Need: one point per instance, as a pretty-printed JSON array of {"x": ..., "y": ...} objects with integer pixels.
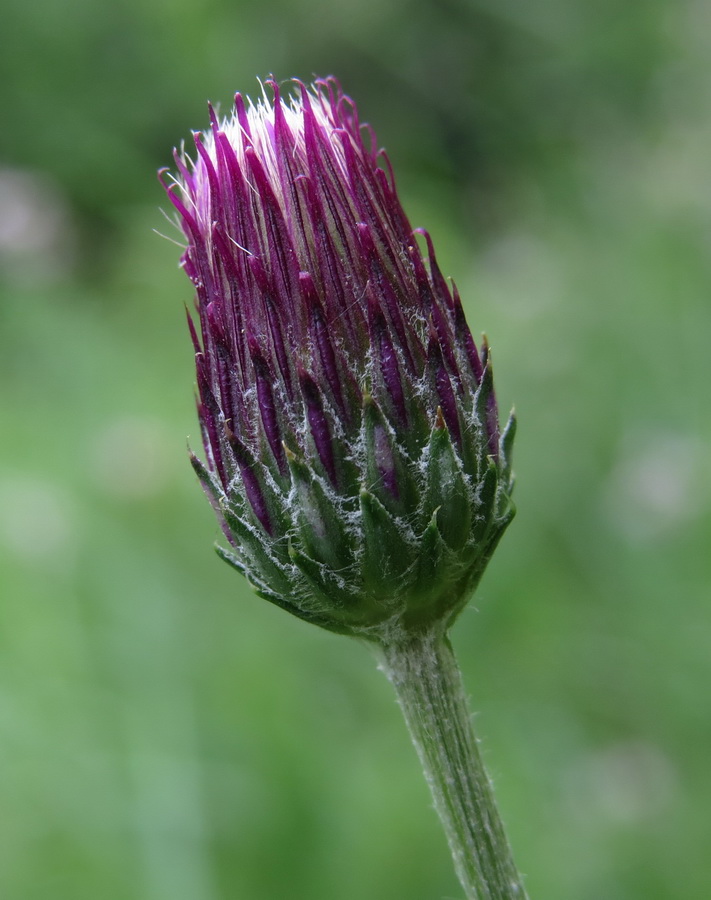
[{"x": 353, "y": 453}]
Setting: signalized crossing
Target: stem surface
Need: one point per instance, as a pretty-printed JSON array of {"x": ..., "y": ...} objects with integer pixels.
[{"x": 428, "y": 683}]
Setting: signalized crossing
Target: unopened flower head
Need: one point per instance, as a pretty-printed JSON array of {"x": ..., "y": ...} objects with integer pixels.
[{"x": 351, "y": 434}]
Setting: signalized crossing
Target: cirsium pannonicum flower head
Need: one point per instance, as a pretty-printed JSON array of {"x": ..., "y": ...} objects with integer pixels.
[{"x": 352, "y": 445}]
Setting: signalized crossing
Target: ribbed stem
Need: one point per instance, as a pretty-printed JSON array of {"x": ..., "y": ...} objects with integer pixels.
[{"x": 430, "y": 692}]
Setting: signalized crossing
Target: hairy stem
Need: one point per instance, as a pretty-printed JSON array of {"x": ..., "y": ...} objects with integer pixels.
[{"x": 429, "y": 689}]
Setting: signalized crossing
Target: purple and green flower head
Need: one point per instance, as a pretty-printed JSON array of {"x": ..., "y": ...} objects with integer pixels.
[{"x": 352, "y": 445}]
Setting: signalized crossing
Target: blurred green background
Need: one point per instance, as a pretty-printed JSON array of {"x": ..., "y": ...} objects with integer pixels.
[{"x": 164, "y": 734}]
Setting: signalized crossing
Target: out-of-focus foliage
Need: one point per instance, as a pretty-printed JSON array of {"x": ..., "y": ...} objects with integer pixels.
[{"x": 165, "y": 734}]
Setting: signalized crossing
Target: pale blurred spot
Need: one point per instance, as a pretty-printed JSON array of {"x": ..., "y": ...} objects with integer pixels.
[
  {"x": 37, "y": 518},
  {"x": 655, "y": 486},
  {"x": 674, "y": 176},
  {"x": 627, "y": 783},
  {"x": 131, "y": 457},
  {"x": 37, "y": 240},
  {"x": 520, "y": 269},
  {"x": 688, "y": 25},
  {"x": 171, "y": 823}
]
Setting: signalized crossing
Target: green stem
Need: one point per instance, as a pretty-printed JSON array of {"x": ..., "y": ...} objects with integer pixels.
[{"x": 429, "y": 689}]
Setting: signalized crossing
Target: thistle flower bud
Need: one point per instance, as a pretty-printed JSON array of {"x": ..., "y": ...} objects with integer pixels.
[{"x": 352, "y": 445}]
